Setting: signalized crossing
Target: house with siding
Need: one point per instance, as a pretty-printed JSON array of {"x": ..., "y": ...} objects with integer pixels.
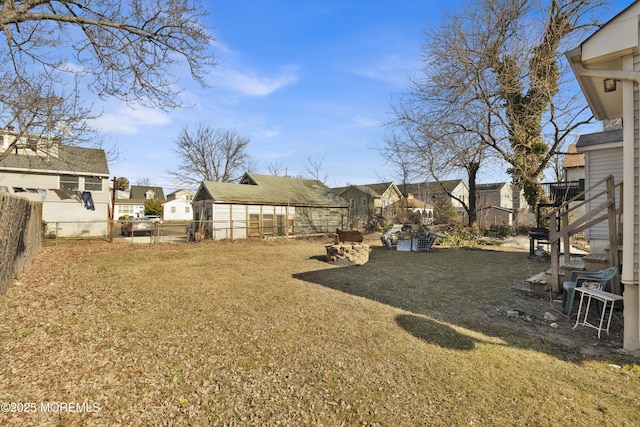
[
  {"x": 134, "y": 205},
  {"x": 498, "y": 194},
  {"x": 420, "y": 210},
  {"x": 71, "y": 182},
  {"x": 602, "y": 157},
  {"x": 453, "y": 192},
  {"x": 178, "y": 206},
  {"x": 265, "y": 205},
  {"x": 607, "y": 67},
  {"x": 369, "y": 201}
]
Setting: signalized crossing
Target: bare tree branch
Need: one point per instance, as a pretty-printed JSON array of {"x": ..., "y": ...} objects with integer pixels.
[{"x": 210, "y": 155}]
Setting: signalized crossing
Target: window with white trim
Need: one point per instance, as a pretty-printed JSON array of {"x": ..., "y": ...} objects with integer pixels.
[
  {"x": 92, "y": 183},
  {"x": 69, "y": 182}
]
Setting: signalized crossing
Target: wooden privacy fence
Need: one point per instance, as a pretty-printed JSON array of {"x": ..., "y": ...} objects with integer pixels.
[{"x": 20, "y": 235}]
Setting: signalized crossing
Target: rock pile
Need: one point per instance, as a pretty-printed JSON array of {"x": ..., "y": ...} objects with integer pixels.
[{"x": 347, "y": 253}]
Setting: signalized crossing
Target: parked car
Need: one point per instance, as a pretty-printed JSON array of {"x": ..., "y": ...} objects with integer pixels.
[
  {"x": 133, "y": 226},
  {"x": 155, "y": 218}
]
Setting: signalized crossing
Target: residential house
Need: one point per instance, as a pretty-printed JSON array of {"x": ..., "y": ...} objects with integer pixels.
[
  {"x": 178, "y": 206},
  {"x": 71, "y": 182},
  {"x": 144, "y": 192},
  {"x": 498, "y": 194},
  {"x": 421, "y": 210},
  {"x": 607, "y": 67},
  {"x": 369, "y": 201},
  {"x": 124, "y": 208},
  {"x": 454, "y": 192},
  {"x": 602, "y": 157},
  {"x": 520, "y": 203},
  {"x": 573, "y": 164},
  {"x": 134, "y": 206},
  {"x": 266, "y": 205}
]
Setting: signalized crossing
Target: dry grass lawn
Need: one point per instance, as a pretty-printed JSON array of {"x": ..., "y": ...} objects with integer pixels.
[{"x": 266, "y": 333}]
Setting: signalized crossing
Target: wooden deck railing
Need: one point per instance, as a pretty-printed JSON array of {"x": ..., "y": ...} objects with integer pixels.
[{"x": 561, "y": 228}]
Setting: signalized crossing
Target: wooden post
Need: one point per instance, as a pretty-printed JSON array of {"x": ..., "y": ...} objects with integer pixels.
[
  {"x": 564, "y": 224},
  {"x": 111, "y": 213},
  {"x": 554, "y": 240},
  {"x": 613, "y": 234}
]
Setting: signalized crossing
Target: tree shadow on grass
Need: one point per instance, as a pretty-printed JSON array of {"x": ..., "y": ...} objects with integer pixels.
[
  {"x": 441, "y": 290},
  {"x": 435, "y": 333}
]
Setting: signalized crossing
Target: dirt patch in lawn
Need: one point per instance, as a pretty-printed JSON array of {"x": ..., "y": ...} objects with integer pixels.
[{"x": 541, "y": 315}]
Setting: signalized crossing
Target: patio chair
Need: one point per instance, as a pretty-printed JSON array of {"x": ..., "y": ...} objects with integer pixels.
[{"x": 598, "y": 279}]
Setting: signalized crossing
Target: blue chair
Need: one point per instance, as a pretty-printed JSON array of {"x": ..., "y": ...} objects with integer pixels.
[{"x": 601, "y": 277}]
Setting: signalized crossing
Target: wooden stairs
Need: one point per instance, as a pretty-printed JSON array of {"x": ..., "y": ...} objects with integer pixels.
[{"x": 550, "y": 281}]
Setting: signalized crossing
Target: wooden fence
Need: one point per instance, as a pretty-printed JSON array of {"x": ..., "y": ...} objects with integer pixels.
[{"x": 20, "y": 235}]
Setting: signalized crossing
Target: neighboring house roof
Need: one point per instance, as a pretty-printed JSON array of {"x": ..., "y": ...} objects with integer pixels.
[
  {"x": 69, "y": 160},
  {"x": 491, "y": 186},
  {"x": 573, "y": 160},
  {"x": 431, "y": 187},
  {"x": 177, "y": 193},
  {"x": 412, "y": 203},
  {"x": 598, "y": 138},
  {"x": 273, "y": 190},
  {"x": 140, "y": 191},
  {"x": 378, "y": 188},
  {"x": 498, "y": 208},
  {"x": 373, "y": 190}
]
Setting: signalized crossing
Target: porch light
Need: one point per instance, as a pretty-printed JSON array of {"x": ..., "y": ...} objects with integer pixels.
[{"x": 609, "y": 85}]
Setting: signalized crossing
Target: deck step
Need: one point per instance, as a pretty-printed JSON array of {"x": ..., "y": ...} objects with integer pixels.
[
  {"x": 601, "y": 257},
  {"x": 538, "y": 278}
]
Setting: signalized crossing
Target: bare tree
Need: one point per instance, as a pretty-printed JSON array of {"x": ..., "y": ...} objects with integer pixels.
[
  {"x": 492, "y": 75},
  {"x": 275, "y": 168},
  {"x": 125, "y": 49},
  {"x": 426, "y": 151},
  {"x": 207, "y": 154},
  {"x": 313, "y": 169}
]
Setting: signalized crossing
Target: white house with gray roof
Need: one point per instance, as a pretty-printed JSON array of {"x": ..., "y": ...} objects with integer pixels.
[
  {"x": 71, "y": 182},
  {"x": 265, "y": 205}
]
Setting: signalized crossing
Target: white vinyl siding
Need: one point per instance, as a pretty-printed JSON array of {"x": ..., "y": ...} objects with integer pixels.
[
  {"x": 636, "y": 179},
  {"x": 599, "y": 164},
  {"x": 232, "y": 221}
]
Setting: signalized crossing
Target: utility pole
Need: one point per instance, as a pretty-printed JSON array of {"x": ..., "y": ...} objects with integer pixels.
[{"x": 111, "y": 210}]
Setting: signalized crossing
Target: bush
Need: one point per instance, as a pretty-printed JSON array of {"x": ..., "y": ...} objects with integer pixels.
[
  {"x": 461, "y": 236},
  {"x": 443, "y": 212},
  {"x": 501, "y": 231}
]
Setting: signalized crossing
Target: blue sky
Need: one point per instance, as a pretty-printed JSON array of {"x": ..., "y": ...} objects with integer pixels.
[{"x": 301, "y": 79}]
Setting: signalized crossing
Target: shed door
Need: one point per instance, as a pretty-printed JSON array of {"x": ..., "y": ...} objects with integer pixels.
[{"x": 254, "y": 225}]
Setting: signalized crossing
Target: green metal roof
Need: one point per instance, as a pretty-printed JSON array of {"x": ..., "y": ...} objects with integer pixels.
[{"x": 271, "y": 190}]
